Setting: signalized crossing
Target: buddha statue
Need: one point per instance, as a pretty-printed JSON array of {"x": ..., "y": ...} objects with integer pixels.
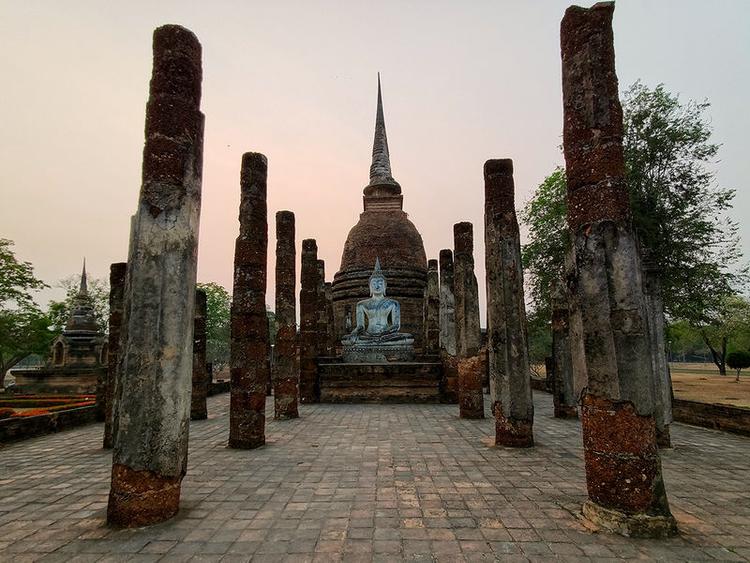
[{"x": 378, "y": 318}]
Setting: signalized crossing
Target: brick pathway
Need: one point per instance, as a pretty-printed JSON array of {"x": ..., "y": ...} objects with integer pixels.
[{"x": 368, "y": 482}]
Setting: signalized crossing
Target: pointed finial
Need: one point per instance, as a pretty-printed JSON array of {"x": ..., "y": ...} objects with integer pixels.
[
  {"x": 84, "y": 284},
  {"x": 380, "y": 170},
  {"x": 377, "y": 272}
]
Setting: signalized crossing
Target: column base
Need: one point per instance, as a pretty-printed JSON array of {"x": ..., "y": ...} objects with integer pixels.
[
  {"x": 565, "y": 411},
  {"x": 141, "y": 498},
  {"x": 663, "y": 437},
  {"x": 630, "y": 525},
  {"x": 512, "y": 433}
]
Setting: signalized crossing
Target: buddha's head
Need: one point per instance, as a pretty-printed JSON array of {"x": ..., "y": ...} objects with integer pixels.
[{"x": 377, "y": 281}]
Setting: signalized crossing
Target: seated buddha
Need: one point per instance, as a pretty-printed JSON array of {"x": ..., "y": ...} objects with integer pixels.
[{"x": 378, "y": 318}]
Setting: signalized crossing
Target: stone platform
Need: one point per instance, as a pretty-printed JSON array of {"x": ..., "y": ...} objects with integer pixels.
[
  {"x": 396, "y": 382},
  {"x": 368, "y": 483}
]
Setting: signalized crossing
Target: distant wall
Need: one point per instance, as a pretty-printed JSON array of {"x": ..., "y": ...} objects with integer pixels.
[{"x": 13, "y": 429}]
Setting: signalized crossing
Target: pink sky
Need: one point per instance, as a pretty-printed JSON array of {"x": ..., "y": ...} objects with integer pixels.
[{"x": 462, "y": 82}]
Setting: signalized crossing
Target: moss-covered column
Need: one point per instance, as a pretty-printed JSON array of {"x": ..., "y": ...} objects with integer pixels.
[
  {"x": 510, "y": 387},
  {"x": 466, "y": 291},
  {"x": 156, "y": 361},
  {"x": 198, "y": 408},
  {"x": 609, "y": 329},
  {"x": 117, "y": 273}
]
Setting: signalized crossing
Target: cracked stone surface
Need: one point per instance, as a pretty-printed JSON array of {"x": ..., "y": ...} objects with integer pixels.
[{"x": 368, "y": 483}]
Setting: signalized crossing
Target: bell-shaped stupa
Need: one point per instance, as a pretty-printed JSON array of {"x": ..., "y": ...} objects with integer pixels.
[{"x": 383, "y": 231}]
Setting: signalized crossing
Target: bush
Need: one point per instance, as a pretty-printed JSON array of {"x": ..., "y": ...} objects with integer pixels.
[{"x": 739, "y": 361}]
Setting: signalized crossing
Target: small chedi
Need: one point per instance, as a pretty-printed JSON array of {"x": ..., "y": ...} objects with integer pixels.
[
  {"x": 78, "y": 357},
  {"x": 376, "y": 338}
]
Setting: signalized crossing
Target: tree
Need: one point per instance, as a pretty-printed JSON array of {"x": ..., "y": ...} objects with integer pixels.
[
  {"x": 728, "y": 322},
  {"x": 23, "y": 327},
  {"x": 98, "y": 290},
  {"x": 218, "y": 310},
  {"x": 678, "y": 210},
  {"x": 738, "y": 361},
  {"x": 17, "y": 279}
]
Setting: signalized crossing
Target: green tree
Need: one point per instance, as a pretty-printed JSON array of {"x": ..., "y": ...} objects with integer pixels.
[
  {"x": 98, "y": 290},
  {"x": 728, "y": 323},
  {"x": 23, "y": 327},
  {"x": 218, "y": 308},
  {"x": 738, "y": 361},
  {"x": 678, "y": 210}
]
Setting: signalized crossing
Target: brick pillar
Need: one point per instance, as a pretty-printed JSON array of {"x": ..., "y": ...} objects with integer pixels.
[
  {"x": 508, "y": 347},
  {"x": 249, "y": 324},
  {"x": 561, "y": 381},
  {"x": 117, "y": 273},
  {"x": 432, "y": 309},
  {"x": 447, "y": 316},
  {"x": 154, "y": 375},
  {"x": 285, "y": 368},
  {"x": 610, "y": 345},
  {"x": 198, "y": 409},
  {"x": 466, "y": 292},
  {"x": 308, "y": 305}
]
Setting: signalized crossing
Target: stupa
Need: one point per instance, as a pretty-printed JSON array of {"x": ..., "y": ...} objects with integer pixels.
[
  {"x": 383, "y": 232},
  {"x": 78, "y": 356}
]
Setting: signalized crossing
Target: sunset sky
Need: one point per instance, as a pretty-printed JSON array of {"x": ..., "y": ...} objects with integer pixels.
[{"x": 462, "y": 82}]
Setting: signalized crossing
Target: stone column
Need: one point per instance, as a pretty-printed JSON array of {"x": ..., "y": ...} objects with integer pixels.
[
  {"x": 308, "y": 305},
  {"x": 198, "y": 409},
  {"x": 466, "y": 291},
  {"x": 117, "y": 273},
  {"x": 154, "y": 371},
  {"x": 249, "y": 323},
  {"x": 447, "y": 303},
  {"x": 561, "y": 383},
  {"x": 285, "y": 368},
  {"x": 610, "y": 345},
  {"x": 508, "y": 346},
  {"x": 656, "y": 329},
  {"x": 432, "y": 309}
]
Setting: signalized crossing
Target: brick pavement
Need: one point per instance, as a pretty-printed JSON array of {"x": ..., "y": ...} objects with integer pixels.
[{"x": 368, "y": 483}]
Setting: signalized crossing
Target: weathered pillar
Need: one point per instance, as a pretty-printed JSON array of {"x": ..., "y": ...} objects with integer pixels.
[
  {"x": 662, "y": 378},
  {"x": 432, "y": 309},
  {"x": 447, "y": 303},
  {"x": 117, "y": 273},
  {"x": 466, "y": 291},
  {"x": 508, "y": 346},
  {"x": 154, "y": 371},
  {"x": 308, "y": 305},
  {"x": 198, "y": 409},
  {"x": 285, "y": 369},
  {"x": 561, "y": 383},
  {"x": 449, "y": 383},
  {"x": 330, "y": 330},
  {"x": 249, "y": 367},
  {"x": 610, "y": 345}
]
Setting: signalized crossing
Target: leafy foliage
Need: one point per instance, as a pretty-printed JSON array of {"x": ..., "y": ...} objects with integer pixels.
[
  {"x": 218, "y": 309},
  {"x": 678, "y": 210},
  {"x": 23, "y": 326},
  {"x": 729, "y": 322}
]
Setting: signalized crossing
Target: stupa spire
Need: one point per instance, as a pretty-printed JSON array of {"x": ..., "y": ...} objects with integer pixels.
[
  {"x": 84, "y": 288},
  {"x": 380, "y": 170}
]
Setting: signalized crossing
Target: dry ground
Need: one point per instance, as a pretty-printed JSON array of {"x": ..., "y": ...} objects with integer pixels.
[{"x": 702, "y": 382}]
